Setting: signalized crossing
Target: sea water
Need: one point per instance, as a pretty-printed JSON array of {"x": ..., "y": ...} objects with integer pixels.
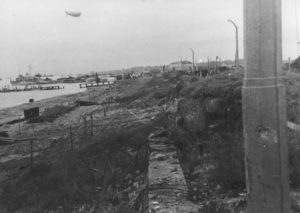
[{"x": 16, "y": 98}]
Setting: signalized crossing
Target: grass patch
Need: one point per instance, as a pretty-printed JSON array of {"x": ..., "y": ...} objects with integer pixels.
[{"x": 102, "y": 172}]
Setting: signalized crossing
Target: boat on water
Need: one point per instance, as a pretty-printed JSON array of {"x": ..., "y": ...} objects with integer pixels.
[{"x": 25, "y": 80}]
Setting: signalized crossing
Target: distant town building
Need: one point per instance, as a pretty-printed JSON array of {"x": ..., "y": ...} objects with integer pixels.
[{"x": 181, "y": 66}]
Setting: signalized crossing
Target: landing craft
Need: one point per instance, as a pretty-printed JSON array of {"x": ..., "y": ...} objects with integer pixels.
[{"x": 73, "y": 13}]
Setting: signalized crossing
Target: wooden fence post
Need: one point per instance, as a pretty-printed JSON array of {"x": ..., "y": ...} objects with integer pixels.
[
  {"x": 92, "y": 124},
  {"x": 85, "y": 130},
  {"x": 71, "y": 138},
  {"x": 62, "y": 144},
  {"x": 104, "y": 110},
  {"x": 31, "y": 153}
]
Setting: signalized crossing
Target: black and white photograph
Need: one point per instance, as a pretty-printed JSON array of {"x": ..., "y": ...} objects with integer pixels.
[{"x": 149, "y": 106}]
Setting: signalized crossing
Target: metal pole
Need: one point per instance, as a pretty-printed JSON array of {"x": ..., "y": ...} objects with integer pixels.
[
  {"x": 236, "y": 44},
  {"x": 266, "y": 150},
  {"x": 193, "y": 55},
  {"x": 237, "y": 48}
]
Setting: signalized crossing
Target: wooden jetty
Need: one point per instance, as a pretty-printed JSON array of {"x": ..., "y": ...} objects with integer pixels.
[
  {"x": 90, "y": 85},
  {"x": 51, "y": 88},
  {"x": 32, "y": 88}
]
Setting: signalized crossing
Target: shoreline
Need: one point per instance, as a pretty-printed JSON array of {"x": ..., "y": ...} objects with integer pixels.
[
  {"x": 12, "y": 99},
  {"x": 16, "y": 112},
  {"x": 12, "y": 122}
]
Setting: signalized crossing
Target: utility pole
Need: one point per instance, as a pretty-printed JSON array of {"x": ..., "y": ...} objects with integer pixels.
[
  {"x": 193, "y": 55},
  {"x": 180, "y": 58},
  {"x": 236, "y": 44},
  {"x": 264, "y": 109},
  {"x": 208, "y": 64},
  {"x": 217, "y": 63}
]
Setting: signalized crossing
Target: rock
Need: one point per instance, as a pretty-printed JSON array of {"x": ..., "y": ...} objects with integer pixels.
[
  {"x": 158, "y": 133},
  {"x": 132, "y": 152},
  {"x": 151, "y": 196},
  {"x": 155, "y": 202},
  {"x": 137, "y": 104},
  {"x": 160, "y": 157},
  {"x": 295, "y": 200},
  {"x": 136, "y": 184},
  {"x": 156, "y": 207},
  {"x": 174, "y": 170}
]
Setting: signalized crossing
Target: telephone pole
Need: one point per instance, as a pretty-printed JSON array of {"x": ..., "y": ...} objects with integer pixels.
[{"x": 264, "y": 109}]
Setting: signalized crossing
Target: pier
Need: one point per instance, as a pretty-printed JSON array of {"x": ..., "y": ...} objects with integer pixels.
[
  {"x": 32, "y": 88},
  {"x": 89, "y": 85}
]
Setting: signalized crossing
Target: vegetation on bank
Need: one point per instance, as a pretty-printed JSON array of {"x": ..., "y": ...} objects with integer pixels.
[
  {"x": 100, "y": 175},
  {"x": 213, "y": 157},
  {"x": 50, "y": 114}
]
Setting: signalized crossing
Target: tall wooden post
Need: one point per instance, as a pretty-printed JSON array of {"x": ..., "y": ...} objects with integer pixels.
[{"x": 264, "y": 109}]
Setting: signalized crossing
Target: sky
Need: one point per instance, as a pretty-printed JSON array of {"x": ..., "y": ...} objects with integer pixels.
[{"x": 117, "y": 34}]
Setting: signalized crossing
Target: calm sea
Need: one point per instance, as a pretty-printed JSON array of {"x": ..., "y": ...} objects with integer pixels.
[{"x": 16, "y": 98}]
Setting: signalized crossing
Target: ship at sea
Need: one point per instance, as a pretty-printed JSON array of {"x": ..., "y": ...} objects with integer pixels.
[
  {"x": 32, "y": 80},
  {"x": 28, "y": 79}
]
